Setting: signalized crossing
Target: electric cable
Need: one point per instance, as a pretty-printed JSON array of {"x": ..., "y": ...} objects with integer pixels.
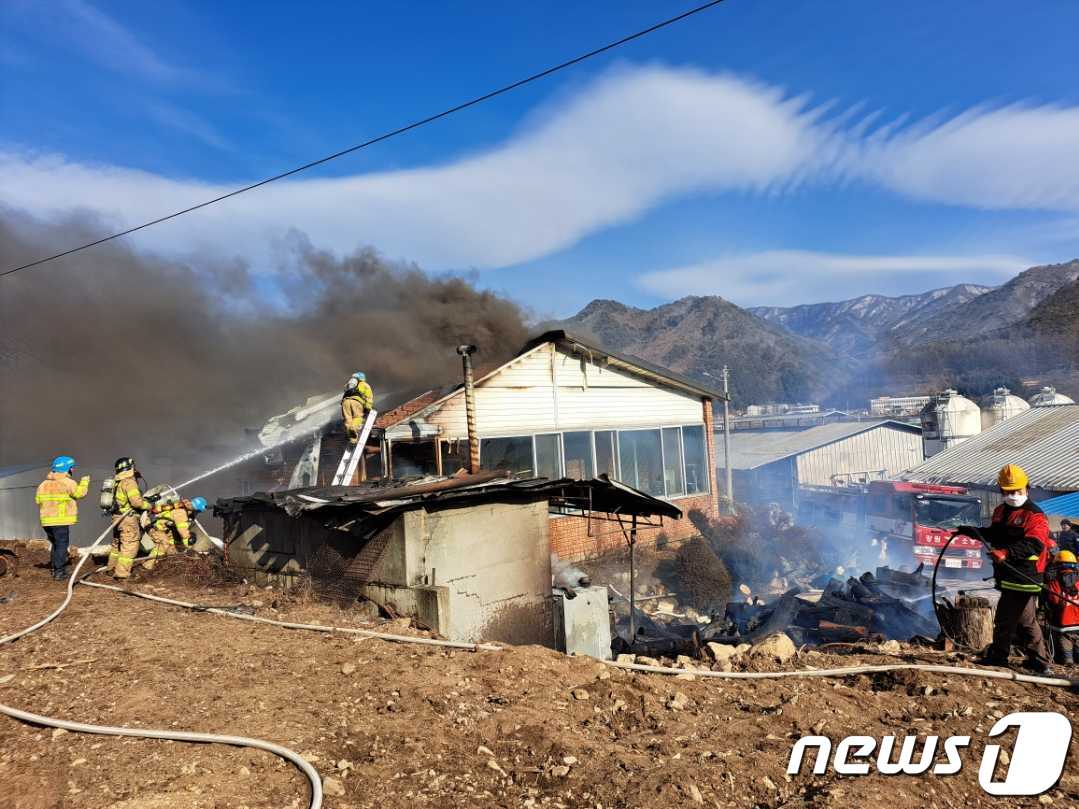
[{"x": 379, "y": 138}]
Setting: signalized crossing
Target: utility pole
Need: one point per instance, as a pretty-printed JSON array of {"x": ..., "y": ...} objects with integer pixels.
[
  {"x": 727, "y": 438},
  {"x": 466, "y": 352}
]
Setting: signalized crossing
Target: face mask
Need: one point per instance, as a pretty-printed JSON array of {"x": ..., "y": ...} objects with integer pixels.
[{"x": 1015, "y": 499}]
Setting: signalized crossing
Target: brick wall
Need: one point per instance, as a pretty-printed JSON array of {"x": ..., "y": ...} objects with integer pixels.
[{"x": 570, "y": 539}]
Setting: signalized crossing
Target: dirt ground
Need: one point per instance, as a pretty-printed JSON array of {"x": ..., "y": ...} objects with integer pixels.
[{"x": 402, "y": 725}]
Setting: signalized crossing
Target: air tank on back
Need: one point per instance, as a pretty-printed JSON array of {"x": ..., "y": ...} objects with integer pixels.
[
  {"x": 1000, "y": 405},
  {"x": 1048, "y": 396},
  {"x": 949, "y": 419}
]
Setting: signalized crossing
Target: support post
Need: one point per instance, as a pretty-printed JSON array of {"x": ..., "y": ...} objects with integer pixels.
[
  {"x": 633, "y": 579},
  {"x": 466, "y": 352},
  {"x": 727, "y": 439}
]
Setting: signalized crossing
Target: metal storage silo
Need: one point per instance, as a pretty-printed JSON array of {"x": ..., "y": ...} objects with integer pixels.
[
  {"x": 1048, "y": 396},
  {"x": 947, "y": 420},
  {"x": 1000, "y": 405}
]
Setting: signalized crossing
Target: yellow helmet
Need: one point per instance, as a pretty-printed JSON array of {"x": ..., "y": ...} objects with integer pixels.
[
  {"x": 1065, "y": 558},
  {"x": 1012, "y": 478}
]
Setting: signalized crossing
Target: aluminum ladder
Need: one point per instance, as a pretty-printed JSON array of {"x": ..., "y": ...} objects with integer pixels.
[{"x": 350, "y": 459}]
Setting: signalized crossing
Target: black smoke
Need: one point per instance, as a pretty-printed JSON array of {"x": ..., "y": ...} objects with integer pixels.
[{"x": 114, "y": 351}]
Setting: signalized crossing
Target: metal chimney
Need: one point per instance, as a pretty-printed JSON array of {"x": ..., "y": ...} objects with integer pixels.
[{"x": 466, "y": 353}]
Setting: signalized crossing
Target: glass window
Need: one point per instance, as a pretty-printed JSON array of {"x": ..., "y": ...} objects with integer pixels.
[
  {"x": 641, "y": 461},
  {"x": 578, "y": 455},
  {"x": 606, "y": 454},
  {"x": 548, "y": 456},
  {"x": 513, "y": 454},
  {"x": 696, "y": 455},
  {"x": 672, "y": 461}
]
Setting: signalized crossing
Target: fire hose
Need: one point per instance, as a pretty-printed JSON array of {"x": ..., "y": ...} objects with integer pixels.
[
  {"x": 1011, "y": 568},
  {"x": 147, "y": 733}
]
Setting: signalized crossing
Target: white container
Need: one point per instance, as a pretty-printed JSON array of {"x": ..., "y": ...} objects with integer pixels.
[
  {"x": 949, "y": 419},
  {"x": 1002, "y": 404},
  {"x": 1048, "y": 397}
]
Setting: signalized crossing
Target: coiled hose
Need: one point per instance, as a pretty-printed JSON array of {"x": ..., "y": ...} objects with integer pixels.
[{"x": 149, "y": 733}]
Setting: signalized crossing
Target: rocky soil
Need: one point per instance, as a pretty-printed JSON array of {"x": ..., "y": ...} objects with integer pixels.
[{"x": 395, "y": 725}]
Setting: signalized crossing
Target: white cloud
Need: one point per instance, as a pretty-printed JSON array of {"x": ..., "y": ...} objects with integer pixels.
[
  {"x": 606, "y": 156},
  {"x": 804, "y": 276}
]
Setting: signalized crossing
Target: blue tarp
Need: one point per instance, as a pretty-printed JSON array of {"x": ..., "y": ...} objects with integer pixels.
[{"x": 1066, "y": 505}]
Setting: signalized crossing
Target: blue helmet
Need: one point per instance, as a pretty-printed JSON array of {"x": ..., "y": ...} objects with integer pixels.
[
  {"x": 62, "y": 463},
  {"x": 360, "y": 375},
  {"x": 199, "y": 504}
]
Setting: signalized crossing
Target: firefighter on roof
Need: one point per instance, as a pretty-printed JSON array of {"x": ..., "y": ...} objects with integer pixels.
[
  {"x": 1019, "y": 546},
  {"x": 356, "y": 403}
]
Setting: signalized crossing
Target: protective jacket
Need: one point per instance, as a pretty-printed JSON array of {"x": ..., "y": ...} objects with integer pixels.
[
  {"x": 173, "y": 517},
  {"x": 127, "y": 495},
  {"x": 56, "y": 496},
  {"x": 1023, "y": 532},
  {"x": 361, "y": 392},
  {"x": 1062, "y": 593}
]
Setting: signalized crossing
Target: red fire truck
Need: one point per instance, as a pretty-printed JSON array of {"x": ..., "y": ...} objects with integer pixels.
[{"x": 921, "y": 517}]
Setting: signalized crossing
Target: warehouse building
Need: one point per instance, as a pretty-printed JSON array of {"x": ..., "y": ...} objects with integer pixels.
[
  {"x": 776, "y": 466},
  {"x": 1042, "y": 440},
  {"x": 561, "y": 407}
]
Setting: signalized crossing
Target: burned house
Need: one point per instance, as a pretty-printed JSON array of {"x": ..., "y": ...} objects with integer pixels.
[
  {"x": 467, "y": 556},
  {"x": 562, "y": 407}
]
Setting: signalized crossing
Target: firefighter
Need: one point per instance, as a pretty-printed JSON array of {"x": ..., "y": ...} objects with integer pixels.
[
  {"x": 356, "y": 403},
  {"x": 55, "y": 498},
  {"x": 1062, "y": 594},
  {"x": 127, "y": 532},
  {"x": 1019, "y": 546},
  {"x": 172, "y": 522}
]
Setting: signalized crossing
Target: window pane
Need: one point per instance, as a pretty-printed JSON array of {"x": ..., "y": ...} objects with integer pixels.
[
  {"x": 605, "y": 454},
  {"x": 672, "y": 461},
  {"x": 548, "y": 457},
  {"x": 640, "y": 460},
  {"x": 696, "y": 459},
  {"x": 578, "y": 453},
  {"x": 514, "y": 454}
]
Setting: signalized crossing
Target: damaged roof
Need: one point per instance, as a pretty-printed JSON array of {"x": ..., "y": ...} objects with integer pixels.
[
  {"x": 361, "y": 509},
  {"x": 1042, "y": 440}
]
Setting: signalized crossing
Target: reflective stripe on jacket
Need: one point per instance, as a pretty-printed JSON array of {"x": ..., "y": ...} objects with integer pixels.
[
  {"x": 1024, "y": 533},
  {"x": 56, "y": 496},
  {"x": 127, "y": 495},
  {"x": 174, "y": 516},
  {"x": 363, "y": 393}
]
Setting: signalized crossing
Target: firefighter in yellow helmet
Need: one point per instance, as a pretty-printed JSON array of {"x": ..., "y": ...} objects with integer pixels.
[
  {"x": 55, "y": 498},
  {"x": 356, "y": 403},
  {"x": 126, "y": 534},
  {"x": 1019, "y": 543},
  {"x": 172, "y": 522}
]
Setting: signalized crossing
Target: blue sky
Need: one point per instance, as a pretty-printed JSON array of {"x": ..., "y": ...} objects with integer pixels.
[{"x": 769, "y": 152}]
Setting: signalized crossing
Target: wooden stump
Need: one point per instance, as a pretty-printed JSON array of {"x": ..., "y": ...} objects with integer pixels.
[{"x": 969, "y": 622}]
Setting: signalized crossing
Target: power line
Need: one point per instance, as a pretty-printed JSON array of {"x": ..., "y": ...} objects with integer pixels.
[{"x": 385, "y": 136}]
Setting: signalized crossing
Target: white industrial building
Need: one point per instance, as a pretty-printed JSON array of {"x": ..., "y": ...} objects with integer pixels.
[
  {"x": 772, "y": 466},
  {"x": 897, "y": 406},
  {"x": 1042, "y": 440}
]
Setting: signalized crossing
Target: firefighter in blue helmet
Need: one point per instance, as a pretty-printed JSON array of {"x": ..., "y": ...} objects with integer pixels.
[{"x": 55, "y": 498}]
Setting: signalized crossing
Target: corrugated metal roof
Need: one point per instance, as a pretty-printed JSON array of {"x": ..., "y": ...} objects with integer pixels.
[
  {"x": 1066, "y": 505},
  {"x": 1043, "y": 440},
  {"x": 750, "y": 450}
]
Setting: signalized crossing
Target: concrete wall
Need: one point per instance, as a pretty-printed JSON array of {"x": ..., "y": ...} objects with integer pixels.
[{"x": 472, "y": 573}]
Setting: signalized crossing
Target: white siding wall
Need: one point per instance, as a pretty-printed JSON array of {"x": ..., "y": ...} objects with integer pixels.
[
  {"x": 523, "y": 399},
  {"x": 885, "y": 447}
]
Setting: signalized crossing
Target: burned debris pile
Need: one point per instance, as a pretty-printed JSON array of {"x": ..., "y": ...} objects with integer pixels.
[{"x": 889, "y": 604}]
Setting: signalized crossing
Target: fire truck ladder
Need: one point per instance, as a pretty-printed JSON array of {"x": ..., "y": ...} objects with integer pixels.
[{"x": 350, "y": 459}]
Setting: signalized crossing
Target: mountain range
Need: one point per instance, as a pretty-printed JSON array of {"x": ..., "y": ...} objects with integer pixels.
[{"x": 968, "y": 335}]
